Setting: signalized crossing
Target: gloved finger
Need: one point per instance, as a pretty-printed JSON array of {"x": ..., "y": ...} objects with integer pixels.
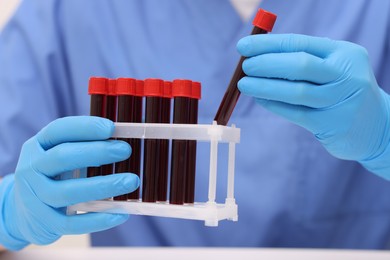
[
  {"x": 291, "y": 66},
  {"x": 276, "y": 43},
  {"x": 292, "y": 92},
  {"x": 68, "y": 192},
  {"x": 73, "y": 129},
  {"x": 299, "y": 115},
  {"x": 70, "y": 156},
  {"x": 90, "y": 222}
]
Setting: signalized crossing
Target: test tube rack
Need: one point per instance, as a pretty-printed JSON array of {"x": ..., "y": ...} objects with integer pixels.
[{"x": 210, "y": 212}]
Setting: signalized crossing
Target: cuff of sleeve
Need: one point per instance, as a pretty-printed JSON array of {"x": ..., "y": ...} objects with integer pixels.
[
  {"x": 379, "y": 165},
  {"x": 7, "y": 240}
]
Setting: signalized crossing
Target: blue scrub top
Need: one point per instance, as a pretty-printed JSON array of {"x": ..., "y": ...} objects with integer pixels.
[{"x": 290, "y": 191}]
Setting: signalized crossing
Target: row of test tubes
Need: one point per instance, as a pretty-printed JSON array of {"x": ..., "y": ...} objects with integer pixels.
[{"x": 131, "y": 100}]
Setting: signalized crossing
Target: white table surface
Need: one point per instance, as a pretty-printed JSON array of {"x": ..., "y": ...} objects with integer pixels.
[{"x": 193, "y": 254}]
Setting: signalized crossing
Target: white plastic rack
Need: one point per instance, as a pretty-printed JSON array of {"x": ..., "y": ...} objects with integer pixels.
[{"x": 210, "y": 211}]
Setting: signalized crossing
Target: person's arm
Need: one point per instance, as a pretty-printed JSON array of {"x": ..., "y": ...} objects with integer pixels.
[
  {"x": 35, "y": 90},
  {"x": 33, "y": 86},
  {"x": 325, "y": 86}
]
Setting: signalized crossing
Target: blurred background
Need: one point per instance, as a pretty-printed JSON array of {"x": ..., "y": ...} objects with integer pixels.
[{"x": 7, "y": 8}]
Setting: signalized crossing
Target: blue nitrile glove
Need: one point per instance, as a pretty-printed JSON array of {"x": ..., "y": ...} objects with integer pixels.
[
  {"x": 325, "y": 86},
  {"x": 33, "y": 203}
]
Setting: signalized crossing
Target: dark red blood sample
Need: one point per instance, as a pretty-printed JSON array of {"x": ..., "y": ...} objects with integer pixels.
[
  {"x": 135, "y": 158},
  {"x": 181, "y": 92},
  {"x": 125, "y": 89},
  {"x": 153, "y": 90},
  {"x": 263, "y": 23},
  {"x": 189, "y": 190},
  {"x": 162, "y": 181},
  {"x": 97, "y": 89},
  {"x": 111, "y": 106}
]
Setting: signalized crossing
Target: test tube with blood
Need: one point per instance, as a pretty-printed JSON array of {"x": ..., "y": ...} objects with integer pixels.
[
  {"x": 125, "y": 90},
  {"x": 181, "y": 93},
  {"x": 135, "y": 158},
  {"x": 189, "y": 189},
  {"x": 263, "y": 23},
  {"x": 97, "y": 88},
  {"x": 111, "y": 107},
  {"x": 153, "y": 90},
  {"x": 162, "y": 181}
]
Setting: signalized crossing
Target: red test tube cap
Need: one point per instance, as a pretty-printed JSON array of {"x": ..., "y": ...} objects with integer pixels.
[
  {"x": 97, "y": 86},
  {"x": 182, "y": 88},
  {"x": 139, "y": 88},
  {"x": 126, "y": 86},
  {"x": 264, "y": 20},
  {"x": 153, "y": 87},
  {"x": 111, "y": 90},
  {"x": 196, "y": 90},
  {"x": 167, "y": 89}
]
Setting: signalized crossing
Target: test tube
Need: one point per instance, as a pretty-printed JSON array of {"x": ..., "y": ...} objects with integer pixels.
[
  {"x": 162, "y": 181},
  {"x": 189, "y": 190},
  {"x": 111, "y": 107},
  {"x": 97, "y": 88},
  {"x": 263, "y": 23},
  {"x": 153, "y": 90},
  {"x": 135, "y": 158},
  {"x": 181, "y": 93},
  {"x": 125, "y": 89}
]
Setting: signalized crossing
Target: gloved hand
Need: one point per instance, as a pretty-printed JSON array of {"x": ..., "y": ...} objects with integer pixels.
[
  {"x": 33, "y": 203},
  {"x": 325, "y": 86}
]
